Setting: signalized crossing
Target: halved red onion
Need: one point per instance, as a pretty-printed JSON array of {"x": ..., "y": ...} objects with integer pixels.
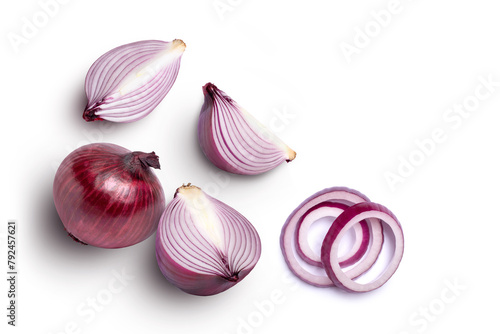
[
  {"x": 108, "y": 196},
  {"x": 233, "y": 140},
  {"x": 204, "y": 246},
  {"x": 332, "y": 210},
  {"x": 340, "y": 195},
  {"x": 128, "y": 82},
  {"x": 347, "y": 219}
]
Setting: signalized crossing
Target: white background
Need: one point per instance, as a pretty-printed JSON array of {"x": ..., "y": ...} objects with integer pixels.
[{"x": 350, "y": 123}]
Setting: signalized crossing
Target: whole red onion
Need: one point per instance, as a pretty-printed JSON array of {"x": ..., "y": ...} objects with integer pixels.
[{"x": 108, "y": 196}]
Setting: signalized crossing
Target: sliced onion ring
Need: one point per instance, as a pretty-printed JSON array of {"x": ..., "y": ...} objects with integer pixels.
[
  {"x": 343, "y": 223},
  {"x": 341, "y": 195},
  {"x": 333, "y": 210}
]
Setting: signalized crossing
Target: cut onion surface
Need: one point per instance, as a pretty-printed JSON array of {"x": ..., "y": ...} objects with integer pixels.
[
  {"x": 128, "y": 82},
  {"x": 204, "y": 246},
  {"x": 233, "y": 140}
]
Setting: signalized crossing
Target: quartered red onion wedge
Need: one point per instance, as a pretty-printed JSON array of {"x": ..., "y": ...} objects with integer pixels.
[{"x": 349, "y": 210}]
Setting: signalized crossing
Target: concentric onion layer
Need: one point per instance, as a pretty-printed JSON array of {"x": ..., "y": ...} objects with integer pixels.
[
  {"x": 332, "y": 210},
  {"x": 204, "y": 246},
  {"x": 233, "y": 140},
  {"x": 346, "y": 220},
  {"x": 359, "y": 262},
  {"x": 107, "y": 196},
  {"x": 128, "y": 82}
]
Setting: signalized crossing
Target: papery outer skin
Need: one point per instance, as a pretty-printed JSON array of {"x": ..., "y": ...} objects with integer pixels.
[
  {"x": 128, "y": 82},
  {"x": 288, "y": 230},
  {"x": 246, "y": 147},
  {"x": 188, "y": 279},
  {"x": 104, "y": 217},
  {"x": 367, "y": 209}
]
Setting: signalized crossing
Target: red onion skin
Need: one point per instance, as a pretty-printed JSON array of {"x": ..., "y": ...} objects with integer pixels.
[{"x": 107, "y": 196}]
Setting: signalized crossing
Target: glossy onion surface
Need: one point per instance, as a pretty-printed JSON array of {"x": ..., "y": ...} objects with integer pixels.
[{"x": 108, "y": 196}]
